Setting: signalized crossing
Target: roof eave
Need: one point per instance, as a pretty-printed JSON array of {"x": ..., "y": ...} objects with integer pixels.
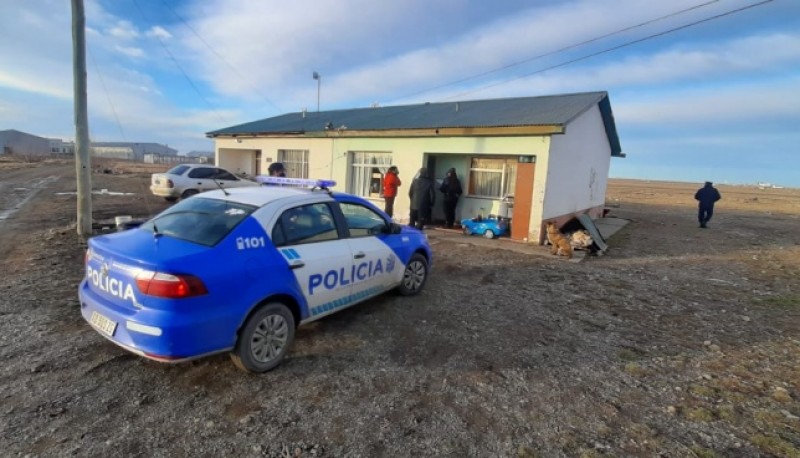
[{"x": 480, "y": 131}]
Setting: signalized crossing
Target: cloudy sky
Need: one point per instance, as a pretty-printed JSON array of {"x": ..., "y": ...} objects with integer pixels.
[{"x": 717, "y": 101}]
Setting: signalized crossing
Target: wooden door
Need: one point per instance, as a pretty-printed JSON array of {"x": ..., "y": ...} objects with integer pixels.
[{"x": 523, "y": 200}]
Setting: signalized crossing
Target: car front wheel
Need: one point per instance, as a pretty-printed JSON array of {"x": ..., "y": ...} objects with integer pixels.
[
  {"x": 415, "y": 275},
  {"x": 171, "y": 199},
  {"x": 488, "y": 234},
  {"x": 265, "y": 338}
]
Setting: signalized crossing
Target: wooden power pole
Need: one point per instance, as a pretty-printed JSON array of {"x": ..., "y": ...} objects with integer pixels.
[{"x": 83, "y": 167}]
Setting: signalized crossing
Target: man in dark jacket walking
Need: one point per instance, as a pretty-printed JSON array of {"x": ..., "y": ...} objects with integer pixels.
[
  {"x": 423, "y": 195},
  {"x": 451, "y": 188},
  {"x": 706, "y": 196}
]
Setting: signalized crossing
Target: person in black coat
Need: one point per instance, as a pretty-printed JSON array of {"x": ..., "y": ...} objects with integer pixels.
[
  {"x": 706, "y": 196},
  {"x": 422, "y": 195},
  {"x": 451, "y": 188}
]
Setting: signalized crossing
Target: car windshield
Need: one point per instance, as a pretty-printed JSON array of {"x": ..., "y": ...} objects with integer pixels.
[
  {"x": 178, "y": 170},
  {"x": 199, "y": 220}
]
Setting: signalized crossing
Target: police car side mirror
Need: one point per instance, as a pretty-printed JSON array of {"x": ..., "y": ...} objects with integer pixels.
[{"x": 394, "y": 228}]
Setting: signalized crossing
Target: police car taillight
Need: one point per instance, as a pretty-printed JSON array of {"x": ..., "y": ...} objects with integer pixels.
[{"x": 169, "y": 286}]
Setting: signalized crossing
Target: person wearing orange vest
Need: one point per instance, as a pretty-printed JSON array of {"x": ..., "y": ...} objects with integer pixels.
[{"x": 390, "y": 184}]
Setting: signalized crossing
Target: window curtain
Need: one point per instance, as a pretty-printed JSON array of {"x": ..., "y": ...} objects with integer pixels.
[
  {"x": 295, "y": 161},
  {"x": 364, "y": 165}
]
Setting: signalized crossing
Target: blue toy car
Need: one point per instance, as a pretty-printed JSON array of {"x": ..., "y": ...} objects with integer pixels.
[
  {"x": 490, "y": 227},
  {"x": 239, "y": 269}
]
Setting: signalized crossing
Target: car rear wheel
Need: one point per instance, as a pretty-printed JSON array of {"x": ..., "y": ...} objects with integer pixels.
[
  {"x": 265, "y": 338},
  {"x": 488, "y": 234},
  {"x": 415, "y": 275},
  {"x": 188, "y": 193},
  {"x": 466, "y": 231}
]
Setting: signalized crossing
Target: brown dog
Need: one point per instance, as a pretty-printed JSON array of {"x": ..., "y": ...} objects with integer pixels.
[{"x": 560, "y": 243}]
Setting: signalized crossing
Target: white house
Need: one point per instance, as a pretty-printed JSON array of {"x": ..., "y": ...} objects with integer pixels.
[{"x": 551, "y": 154}]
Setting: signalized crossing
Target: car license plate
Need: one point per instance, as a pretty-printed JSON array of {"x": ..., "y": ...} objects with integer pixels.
[{"x": 103, "y": 324}]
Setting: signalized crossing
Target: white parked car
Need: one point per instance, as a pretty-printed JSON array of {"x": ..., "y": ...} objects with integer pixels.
[{"x": 186, "y": 180}]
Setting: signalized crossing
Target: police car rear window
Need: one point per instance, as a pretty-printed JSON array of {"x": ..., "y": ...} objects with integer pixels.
[
  {"x": 178, "y": 170},
  {"x": 199, "y": 220}
]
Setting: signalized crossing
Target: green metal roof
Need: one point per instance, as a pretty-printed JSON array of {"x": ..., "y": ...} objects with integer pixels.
[{"x": 552, "y": 110}]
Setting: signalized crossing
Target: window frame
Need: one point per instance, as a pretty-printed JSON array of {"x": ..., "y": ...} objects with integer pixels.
[
  {"x": 290, "y": 165},
  {"x": 279, "y": 224},
  {"x": 365, "y": 207},
  {"x": 367, "y": 177},
  {"x": 505, "y": 185}
]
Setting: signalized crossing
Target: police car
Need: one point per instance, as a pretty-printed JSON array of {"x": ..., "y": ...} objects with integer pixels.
[{"x": 239, "y": 269}]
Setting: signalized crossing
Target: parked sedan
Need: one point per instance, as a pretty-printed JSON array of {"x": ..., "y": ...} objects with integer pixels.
[
  {"x": 238, "y": 270},
  {"x": 186, "y": 180}
]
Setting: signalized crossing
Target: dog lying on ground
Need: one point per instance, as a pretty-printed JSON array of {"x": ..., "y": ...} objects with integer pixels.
[
  {"x": 560, "y": 243},
  {"x": 580, "y": 240}
]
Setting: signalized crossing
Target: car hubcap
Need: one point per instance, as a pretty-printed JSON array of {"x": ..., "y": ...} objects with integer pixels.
[
  {"x": 414, "y": 275},
  {"x": 269, "y": 338}
]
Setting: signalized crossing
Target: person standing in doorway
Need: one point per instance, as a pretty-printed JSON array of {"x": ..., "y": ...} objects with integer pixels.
[
  {"x": 422, "y": 194},
  {"x": 707, "y": 196},
  {"x": 451, "y": 188},
  {"x": 391, "y": 181}
]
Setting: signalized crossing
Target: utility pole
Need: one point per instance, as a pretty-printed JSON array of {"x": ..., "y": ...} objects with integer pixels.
[
  {"x": 317, "y": 77},
  {"x": 83, "y": 170}
]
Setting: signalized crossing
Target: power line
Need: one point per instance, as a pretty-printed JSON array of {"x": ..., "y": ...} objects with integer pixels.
[
  {"x": 175, "y": 61},
  {"x": 560, "y": 50},
  {"x": 614, "y": 48},
  {"x": 563, "y": 64},
  {"x": 246, "y": 80},
  {"x": 105, "y": 89}
]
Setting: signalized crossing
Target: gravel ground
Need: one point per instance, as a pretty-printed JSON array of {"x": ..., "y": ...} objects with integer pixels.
[{"x": 678, "y": 342}]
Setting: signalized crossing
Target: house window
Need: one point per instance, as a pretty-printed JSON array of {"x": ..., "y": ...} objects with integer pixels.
[
  {"x": 492, "y": 177},
  {"x": 295, "y": 161},
  {"x": 368, "y": 169}
]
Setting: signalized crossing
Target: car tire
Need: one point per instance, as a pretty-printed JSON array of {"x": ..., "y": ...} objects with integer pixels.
[
  {"x": 265, "y": 338},
  {"x": 466, "y": 231},
  {"x": 488, "y": 234},
  {"x": 170, "y": 199},
  {"x": 414, "y": 276},
  {"x": 188, "y": 193}
]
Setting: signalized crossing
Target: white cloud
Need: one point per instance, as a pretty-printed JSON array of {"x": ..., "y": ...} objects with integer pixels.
[
  {"x": 124, "y": 30},
  {"x": 159, "y": 32},
  {"x": 130, "y": 51},
  {"x": 358, "y": 55}
]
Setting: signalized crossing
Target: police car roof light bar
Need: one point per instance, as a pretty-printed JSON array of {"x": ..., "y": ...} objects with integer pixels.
[{"x": 313, "y": 183}]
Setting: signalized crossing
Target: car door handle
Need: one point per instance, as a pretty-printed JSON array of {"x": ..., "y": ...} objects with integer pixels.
[
  {"x": 296, "y": 265},
  {"x": 359, "y": 255}
]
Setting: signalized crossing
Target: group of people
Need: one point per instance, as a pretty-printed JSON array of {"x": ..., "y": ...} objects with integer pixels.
[{"x": 422, "y": 194}]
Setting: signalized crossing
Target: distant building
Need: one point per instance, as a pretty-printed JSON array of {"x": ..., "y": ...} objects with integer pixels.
[
  {"x": 202, "y": 157},
  {"x": 23, "y": 144},
  {"x": 58, "y": 146},
  {"x": 130, "y": 151}
]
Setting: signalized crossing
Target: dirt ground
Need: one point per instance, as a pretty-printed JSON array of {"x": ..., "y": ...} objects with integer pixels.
[{"x": 678, "y": 342}]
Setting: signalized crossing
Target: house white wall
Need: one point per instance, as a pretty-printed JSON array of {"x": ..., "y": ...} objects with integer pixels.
[
  {"x": 577, "y": 167},
  {"x": 329, "y": 158}
]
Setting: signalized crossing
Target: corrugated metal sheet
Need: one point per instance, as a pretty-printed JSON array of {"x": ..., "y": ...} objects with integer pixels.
[
  {"x": 522, "y": 111},
  {"x": 551, "y": 110}
]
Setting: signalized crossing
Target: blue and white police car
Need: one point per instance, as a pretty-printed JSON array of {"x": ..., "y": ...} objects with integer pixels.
[{"x": 239, "y": 269}]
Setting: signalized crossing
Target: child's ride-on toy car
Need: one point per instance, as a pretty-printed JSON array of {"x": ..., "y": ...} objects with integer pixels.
[{"x": 490, "y": 227}]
